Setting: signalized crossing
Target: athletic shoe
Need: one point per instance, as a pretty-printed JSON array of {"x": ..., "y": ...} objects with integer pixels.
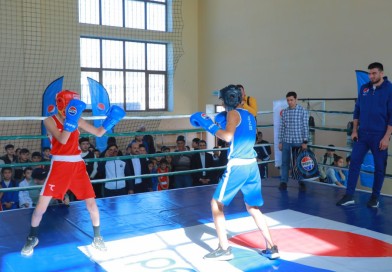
[
  {"x": 28, "y": 248},
  {"x": 346, "y": 200},
  {"x": 302, "y": 186},
  {"x": 271, "y": 253},
  {"x": 373, "y": 202},
  {"x": 99, "y": 244},
  {"x": 283, "y": 186},
  {"x": 220, "y": 255}
]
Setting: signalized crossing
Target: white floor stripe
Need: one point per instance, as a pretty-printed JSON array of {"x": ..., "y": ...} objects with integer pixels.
[{"x": 183, "y": 249}]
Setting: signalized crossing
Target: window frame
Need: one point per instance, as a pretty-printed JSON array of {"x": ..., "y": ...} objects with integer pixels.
[
  {"x": 124, "y": 70},
  {"x": 123, "y": 33}
]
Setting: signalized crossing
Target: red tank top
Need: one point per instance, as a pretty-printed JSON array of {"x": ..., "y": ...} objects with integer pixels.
[
  {"x": 163, "y": 180},
  {"x": 72, "y": 145}
]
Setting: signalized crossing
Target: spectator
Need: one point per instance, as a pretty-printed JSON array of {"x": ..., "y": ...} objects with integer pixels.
[
  {"x": 153, "y": 170},
  {"x": 142, "y": 150},
  {"x": 46, "y": 157},
  {"x": 372, "y": 128},
  {"x": 9, "y": 156},
  {"x": 169, "y": 158},
  {"x": 155, "y": 162},
  {"x": 128, "y": 150},
  {"x": 215, "y": 156},
  {"x": 248, "y": 102},
  {"x": 348, "y": 159},
  {"x": 113, "y": 169},
  {"x": 163, "y": 181},
  {"x": 293, "y": 135},
  {"x": 148, "y": 141},
  {"x": 199, "y": 161},
  {"x": 139, "y": 140},
  {"x": 9, "y": 200},
  {"x": 97, "y": 153},
  {"x": 24, "y": 196},
  {"x": 158, "y": 157},
  {"x": 24, "y": 157},
  {"x": 335, "y": 175},
  {"x": 327, "y": 159},
  {"x": 195, "y": 143},
  {"x": 36, "y": 156},
  {"x": 182, "y": 163},
  {"x": 111, "y": 141},
  {"x": 150, "y": 145},
  {"x": 137, "y": 167}
]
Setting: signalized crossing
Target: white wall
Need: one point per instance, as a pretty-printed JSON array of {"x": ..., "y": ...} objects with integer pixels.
[{"x": 272, "y": 46}]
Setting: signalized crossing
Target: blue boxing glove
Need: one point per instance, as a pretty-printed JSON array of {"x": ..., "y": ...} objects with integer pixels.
[
  {"x": 114, "y": 115},
  {"x": 200, "y": 119},
  {"x": 73, "y": 112},
  {"x": 220, "y": 119}
]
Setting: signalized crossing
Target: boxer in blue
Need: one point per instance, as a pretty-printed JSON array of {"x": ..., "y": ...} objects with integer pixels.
[{"x": 238, "y": 127}]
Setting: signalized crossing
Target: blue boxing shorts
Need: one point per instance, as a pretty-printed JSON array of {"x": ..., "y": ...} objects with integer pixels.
[{"x": 240, "y": 174}]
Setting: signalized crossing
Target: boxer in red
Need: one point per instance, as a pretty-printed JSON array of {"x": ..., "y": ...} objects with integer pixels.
[{"x": 68, "y": 170}]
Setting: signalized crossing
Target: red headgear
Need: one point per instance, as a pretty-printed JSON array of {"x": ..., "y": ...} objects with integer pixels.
[{"x": 63, "y": 98}]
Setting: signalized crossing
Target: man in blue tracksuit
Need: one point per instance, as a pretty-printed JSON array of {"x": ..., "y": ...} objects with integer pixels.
[{"x": 372, "y": 130}]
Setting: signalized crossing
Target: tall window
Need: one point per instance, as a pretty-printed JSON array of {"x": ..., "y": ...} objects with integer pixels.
[{"x": 134, "y": 72}]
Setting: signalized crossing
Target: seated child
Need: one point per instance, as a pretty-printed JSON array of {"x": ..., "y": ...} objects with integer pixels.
[
  {"x": 153, "y": 170},
  {"x": 335, "y": 175}
]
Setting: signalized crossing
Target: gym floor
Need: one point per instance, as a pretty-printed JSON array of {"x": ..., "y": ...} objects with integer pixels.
[{"x": 173, "y": 230}]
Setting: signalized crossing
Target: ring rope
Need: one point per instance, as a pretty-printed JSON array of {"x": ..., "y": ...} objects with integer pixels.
[
  {"x": 133, "y": 177},
  {"x": 127, "y": 157}
]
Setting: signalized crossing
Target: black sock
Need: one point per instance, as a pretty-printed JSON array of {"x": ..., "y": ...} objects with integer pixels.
[
  {"x": 96, "y": 231},
  {"x": 33, "y": 231}
]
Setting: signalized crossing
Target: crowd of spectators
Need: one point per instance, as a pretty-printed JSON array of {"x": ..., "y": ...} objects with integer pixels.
[
  {"x": 332, "y": 168},
  {"x": 120, "y": 164}
]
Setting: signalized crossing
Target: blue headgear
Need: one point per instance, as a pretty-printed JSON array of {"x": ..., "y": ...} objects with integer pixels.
[{"x": 231, "y": 96}]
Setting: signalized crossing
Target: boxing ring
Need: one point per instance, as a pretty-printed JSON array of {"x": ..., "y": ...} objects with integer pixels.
[{"x": 172, "y": 231}]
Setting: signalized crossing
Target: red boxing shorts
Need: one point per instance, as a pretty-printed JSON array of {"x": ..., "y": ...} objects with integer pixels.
[{"x": 68, "y": 173}]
